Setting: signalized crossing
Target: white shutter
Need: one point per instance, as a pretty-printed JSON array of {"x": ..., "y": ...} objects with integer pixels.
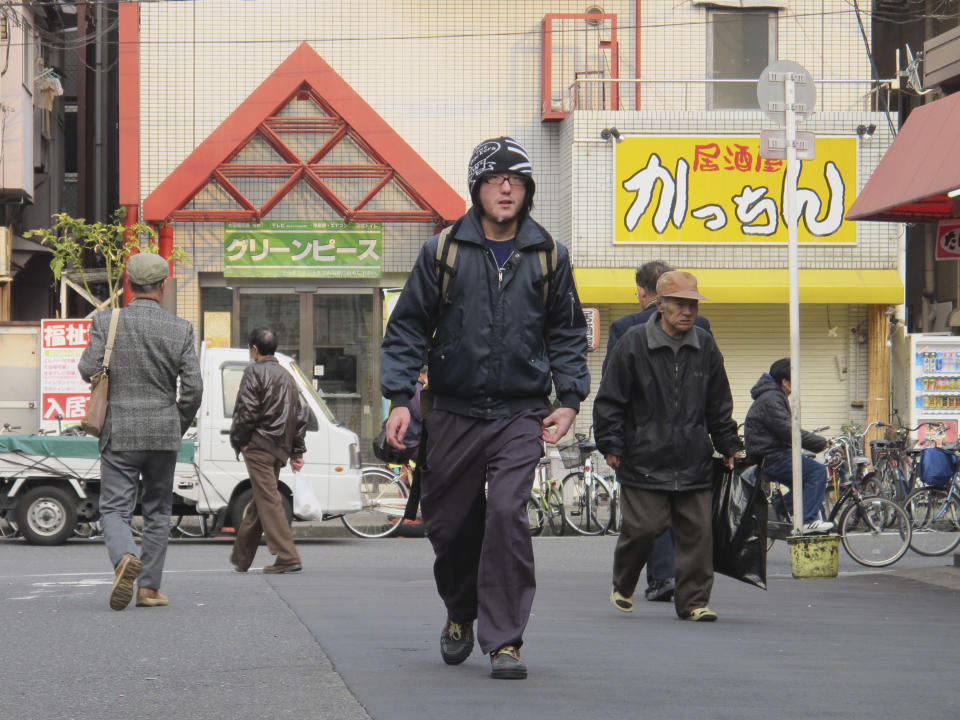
[{"x": 751, "y": 337}]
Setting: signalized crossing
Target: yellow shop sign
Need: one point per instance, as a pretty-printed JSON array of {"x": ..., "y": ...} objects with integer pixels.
[{"x": 719, "y": 190}]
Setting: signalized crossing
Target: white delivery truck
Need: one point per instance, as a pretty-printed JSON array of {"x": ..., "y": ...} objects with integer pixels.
[{"x": 50, "y": 483}]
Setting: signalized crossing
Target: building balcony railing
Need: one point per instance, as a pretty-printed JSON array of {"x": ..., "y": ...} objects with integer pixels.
[{"x": 697, "y": 94}]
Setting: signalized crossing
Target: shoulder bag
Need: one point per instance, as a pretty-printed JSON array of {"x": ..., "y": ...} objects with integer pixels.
[{"x": 93, "y": 421}]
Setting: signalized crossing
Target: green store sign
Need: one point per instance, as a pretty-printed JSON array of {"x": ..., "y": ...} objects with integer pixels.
[{"x": 303, "y": 248}]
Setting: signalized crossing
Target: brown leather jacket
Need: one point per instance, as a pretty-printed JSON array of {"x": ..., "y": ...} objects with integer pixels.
[{"x": 267, "y": 414}]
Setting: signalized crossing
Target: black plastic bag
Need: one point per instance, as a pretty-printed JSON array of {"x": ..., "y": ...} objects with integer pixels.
[
  {"x": 740, "y": 526},
  {"x": 387, "y": 453}
]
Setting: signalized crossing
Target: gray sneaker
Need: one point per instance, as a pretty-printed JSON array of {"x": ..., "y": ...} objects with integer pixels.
[
  {"x": 456, "y": 642},
  {"x": 505, "y": 664},
  {"x": 660, "y": 590}
]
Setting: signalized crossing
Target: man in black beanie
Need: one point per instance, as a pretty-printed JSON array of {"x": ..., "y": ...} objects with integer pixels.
[{"x": 493, "y": 301}]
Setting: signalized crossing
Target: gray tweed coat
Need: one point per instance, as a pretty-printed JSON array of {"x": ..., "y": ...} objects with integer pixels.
[{"x": 152, "y": 350}]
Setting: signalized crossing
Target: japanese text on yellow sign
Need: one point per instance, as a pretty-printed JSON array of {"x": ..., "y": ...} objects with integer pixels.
[{"x": 719, "y": 190}]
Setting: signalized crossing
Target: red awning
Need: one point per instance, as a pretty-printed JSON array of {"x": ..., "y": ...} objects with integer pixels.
[{"x": 921, "y": 166}]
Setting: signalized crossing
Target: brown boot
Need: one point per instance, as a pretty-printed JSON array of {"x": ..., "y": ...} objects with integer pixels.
[
  {"x": 125, "y": 573},
  {"x": 148, "y": 597}
]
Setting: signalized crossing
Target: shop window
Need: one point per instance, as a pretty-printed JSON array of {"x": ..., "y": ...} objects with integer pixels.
[
  {"x": 279, "y": 312},
  {"x": 740, "y": 44},
  {"x": 343, "y": 367},
  {"x": 217, "y": 310}
]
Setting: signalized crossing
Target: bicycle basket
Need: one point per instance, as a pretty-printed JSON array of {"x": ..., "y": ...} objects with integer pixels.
[
  {"x": 570, "y": 455},
  {"x": 937, "y": 467}
]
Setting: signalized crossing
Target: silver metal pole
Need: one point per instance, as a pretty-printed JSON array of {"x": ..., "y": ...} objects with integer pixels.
[{"x": 790, "y": 202}]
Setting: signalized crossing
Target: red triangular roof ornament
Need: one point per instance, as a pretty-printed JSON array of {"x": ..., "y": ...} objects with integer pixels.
[{"x": 342, "y": 116}]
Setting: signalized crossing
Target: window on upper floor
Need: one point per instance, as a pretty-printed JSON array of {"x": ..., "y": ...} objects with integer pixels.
[{"x": 740, "y": 44}]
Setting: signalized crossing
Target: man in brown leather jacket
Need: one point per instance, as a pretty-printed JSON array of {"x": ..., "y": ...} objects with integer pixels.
[{"x": 268, "y": 428}]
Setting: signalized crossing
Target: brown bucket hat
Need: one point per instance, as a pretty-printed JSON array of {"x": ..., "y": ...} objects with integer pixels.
[{"x": 678, "y": 283}]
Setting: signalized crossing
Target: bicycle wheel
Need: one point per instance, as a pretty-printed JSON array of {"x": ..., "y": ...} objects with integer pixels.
[
  {"x": 935, "y": 520},
  {"x": 875, "y": 531},
  {"x": 384, "y": 499},
  {"x": 586, "y": 508},
  {"x": 886, "y": 482},
  {"x": 554, "y": 507},
  {"x": 534, "y": 517}
]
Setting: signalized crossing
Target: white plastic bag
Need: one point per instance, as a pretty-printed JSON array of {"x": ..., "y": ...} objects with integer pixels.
[{"x": 305, "y": 503}]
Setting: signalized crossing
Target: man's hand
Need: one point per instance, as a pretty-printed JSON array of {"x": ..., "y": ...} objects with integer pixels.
[
  {"x": 296, "y": 464},
  {"x": 613, "y": 461},
  {"x": 728, "y": 461},
  {"x": 396, "y": 427},
  {"x": 562, "y": 418}
]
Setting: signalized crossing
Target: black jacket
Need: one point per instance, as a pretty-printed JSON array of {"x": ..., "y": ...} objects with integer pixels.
[
  {"x": 619, "y": 327},
  {"x": 766, "y": 429},
  {"x": 658, "y": 411},
  {"x": 496, "y": 344},
  {"x": 268, "y": 415}
]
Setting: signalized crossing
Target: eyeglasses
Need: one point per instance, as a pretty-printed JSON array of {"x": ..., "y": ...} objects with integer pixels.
[{"x": 514, "y": 180}]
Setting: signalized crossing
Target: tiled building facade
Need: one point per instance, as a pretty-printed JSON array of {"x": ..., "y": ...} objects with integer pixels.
[{"x": 444, "y": 75}]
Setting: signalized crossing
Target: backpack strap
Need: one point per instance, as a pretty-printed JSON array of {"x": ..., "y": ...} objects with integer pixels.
[
  {"x": 445, "y": 258},
  {"x": 548, "y": 268}
]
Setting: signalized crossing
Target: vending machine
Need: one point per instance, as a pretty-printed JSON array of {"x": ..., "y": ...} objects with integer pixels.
[{"x": 935, "y": 383}]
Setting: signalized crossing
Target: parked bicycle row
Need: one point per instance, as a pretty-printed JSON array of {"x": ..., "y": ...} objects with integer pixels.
[{"x": 881, "y": 505}]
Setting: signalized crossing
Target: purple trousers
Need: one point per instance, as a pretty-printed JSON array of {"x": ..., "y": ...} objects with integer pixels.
[{"x": 484, "y": 555}]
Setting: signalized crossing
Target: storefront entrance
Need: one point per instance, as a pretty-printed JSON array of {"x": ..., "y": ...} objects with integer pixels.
[{"x": 333, "y": 334}]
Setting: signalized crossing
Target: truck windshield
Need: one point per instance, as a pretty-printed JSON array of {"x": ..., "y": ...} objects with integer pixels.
[{"x": 314, "y": 394}]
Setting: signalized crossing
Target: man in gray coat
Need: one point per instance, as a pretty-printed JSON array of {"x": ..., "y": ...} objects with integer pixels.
[{"x": 144, "y": 426}]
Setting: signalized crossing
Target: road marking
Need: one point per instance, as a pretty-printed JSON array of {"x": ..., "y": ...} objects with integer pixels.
[{"x": 108, "y": 573}]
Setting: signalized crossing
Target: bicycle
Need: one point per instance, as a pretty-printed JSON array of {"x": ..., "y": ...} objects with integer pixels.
[
  {"x": 588, "y": 500},
  {"x": 545, "y": 505},
  {"x": 875, "y": 531},
  {"x": 384, "y": 496},
  {"x": 935, "y": 518},
  {"x": 895, "y": 466}
]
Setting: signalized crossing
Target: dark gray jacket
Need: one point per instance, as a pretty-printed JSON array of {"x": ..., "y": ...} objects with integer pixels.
[
  {"x": 619, "y": 327},
  {"x": 152, "y": 349},
  {"x": 496, "y": 346},
  {"x": 663, "y": 414},
  {"x": 766, "y": 429}
]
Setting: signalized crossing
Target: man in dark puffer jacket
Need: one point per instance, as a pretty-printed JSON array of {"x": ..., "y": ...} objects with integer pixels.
[
  {"x": 766, "y": 433},
  {"x": 499, "y": 338}
]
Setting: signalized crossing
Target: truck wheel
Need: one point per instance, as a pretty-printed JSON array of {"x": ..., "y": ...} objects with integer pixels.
[
  {"x": 46, "y": 515},
  {"x": 245, "y": 498}
]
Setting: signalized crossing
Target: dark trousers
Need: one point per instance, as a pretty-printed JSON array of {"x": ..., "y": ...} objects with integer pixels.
[
  {"x": 647, "y": 514},
  {"x": 660, "y": 564},
  {"x": 483, "y": 553},
  {"x": 120, "y": 476},
  {"x": 813, "y": 480},
  {"x": 265, "y": 515}
]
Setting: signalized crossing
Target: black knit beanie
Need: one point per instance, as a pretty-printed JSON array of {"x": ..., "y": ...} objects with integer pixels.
[{"x": 499, "y": 155}]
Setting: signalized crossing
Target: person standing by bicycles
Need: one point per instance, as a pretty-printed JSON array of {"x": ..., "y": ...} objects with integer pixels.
[
  {"x": 664, "y": 403},
  {"x": 501, "y": 323},
  {"x": 661, "y": 567},
  {"x": 766, "y": 434}
]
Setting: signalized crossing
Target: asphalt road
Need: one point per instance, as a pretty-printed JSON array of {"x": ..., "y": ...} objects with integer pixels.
[{"x": 356, "y": 635}]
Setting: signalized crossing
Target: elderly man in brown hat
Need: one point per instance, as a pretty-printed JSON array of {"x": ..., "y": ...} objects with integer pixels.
[
  {"x": 145, "y": 423},
  {"x": 663, "y": 406}
]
